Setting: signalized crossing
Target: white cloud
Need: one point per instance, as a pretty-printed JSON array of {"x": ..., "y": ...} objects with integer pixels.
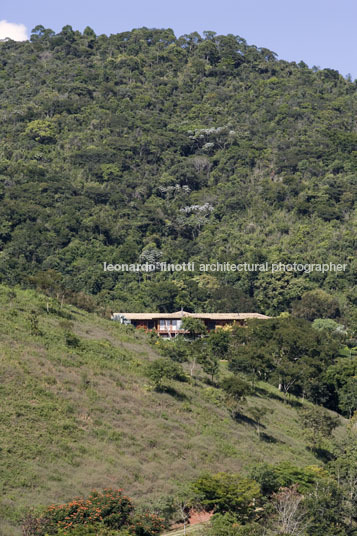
[{"x": 17, "y": 32}]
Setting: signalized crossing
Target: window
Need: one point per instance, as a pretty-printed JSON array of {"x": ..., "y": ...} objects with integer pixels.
[{"x": 171, "y": 325}]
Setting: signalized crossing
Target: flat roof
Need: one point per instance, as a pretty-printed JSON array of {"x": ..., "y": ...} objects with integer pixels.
[{"x": 183, "y": 314}]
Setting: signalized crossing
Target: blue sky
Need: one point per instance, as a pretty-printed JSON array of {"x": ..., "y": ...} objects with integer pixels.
[{"x": 320, "y": 32}]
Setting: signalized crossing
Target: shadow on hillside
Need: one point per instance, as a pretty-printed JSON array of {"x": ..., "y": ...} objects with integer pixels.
[
  {"x": 322, "y": 454},
  {"x": 174, "y": 393},
  {"x": 241, "y": 418},
  {"x": 284, "y": 399},
  {"x": 263, "y": 436},
  {"x": 267, "y": 438},
  {"x": 60, "y": 313},
  {"x": 210, "y": 382}
]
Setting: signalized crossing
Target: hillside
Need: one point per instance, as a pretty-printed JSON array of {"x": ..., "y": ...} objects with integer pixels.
[
  {"x": 78, "y": 413},
  {"x": 144, "y": 146}
]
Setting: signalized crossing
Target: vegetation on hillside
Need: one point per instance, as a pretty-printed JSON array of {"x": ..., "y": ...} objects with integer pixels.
[
  {"x": 143, "y": 146},
  {"x": 315, "y": 361},
  {"x": 147, "y": 147},
  {"x": 105, "y": 513},
  {"x": 79, "y": 411}
]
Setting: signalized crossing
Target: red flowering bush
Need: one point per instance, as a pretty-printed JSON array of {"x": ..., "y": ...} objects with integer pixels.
[
  {"x": 102, "y": 514},
  {"x": 109, "y": 507},
  {"x": 146, "y": 525}
]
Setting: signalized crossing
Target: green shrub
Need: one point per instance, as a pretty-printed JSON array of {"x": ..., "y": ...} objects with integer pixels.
[
  {"x": 72, "y": 340},
  {"x": 34, "y": 324},
  {"x": 226, "y": 492},
  {"x": 164, "y": 369},
  {"x": 146, "y": 525},
  {"x": 236, "y": 388},
  {"x": 285, "y": 474},
  {"x": 105, "y": 513},
  {"x": 91, "y": 530}
]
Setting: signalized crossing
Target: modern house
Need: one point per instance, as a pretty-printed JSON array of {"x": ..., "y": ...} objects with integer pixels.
[{"x": 170, "y": 324}]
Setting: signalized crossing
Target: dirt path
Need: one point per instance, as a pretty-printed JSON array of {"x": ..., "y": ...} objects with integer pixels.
[{"x": 189, "y": 530}]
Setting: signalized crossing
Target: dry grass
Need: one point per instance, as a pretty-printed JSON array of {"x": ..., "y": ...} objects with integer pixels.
[{"x": 77, "y": 418}]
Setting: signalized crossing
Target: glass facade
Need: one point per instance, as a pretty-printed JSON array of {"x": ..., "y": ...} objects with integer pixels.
[{"x": 170, "y": 325}]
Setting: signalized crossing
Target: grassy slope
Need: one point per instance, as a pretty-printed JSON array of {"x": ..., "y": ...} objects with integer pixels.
[{"x": 76, "y": 419}]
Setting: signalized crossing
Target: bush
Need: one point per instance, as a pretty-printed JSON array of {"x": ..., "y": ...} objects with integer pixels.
[
  {"x": 91, "y": 530},
  {"x": 72, "y": 340},
  {"x": 318, "y": 424},
  {"x": 105, "y": 513},
  {"x": 236, "y": 391},
  {"x": 147, "y": 525},
  {"x": 236, "y": 388},
  {"x": 194, "y": 326},
  {"x": 34, "y": 324},
  {"x": 177, "y": 350},
  {"x": 83, "y": 301},
  {"x": 285, "y": 474},
  {"x": 164, "y": 369},
  {"x": 228, "y": 493},
  {"x": 228, "y": 525},
  {"x": 109, "y": 507}
]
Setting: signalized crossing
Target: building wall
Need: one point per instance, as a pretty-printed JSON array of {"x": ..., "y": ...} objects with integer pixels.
[
  {"x": 211, "y": 325},
  {"x": 142, "y": 324}
]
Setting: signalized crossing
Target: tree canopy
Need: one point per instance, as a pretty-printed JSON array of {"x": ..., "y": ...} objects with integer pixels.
[{"x": 143, "y": 145}]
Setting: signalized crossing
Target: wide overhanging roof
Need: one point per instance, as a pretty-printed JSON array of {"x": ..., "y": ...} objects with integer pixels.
[{"x": 184, "y": 314}]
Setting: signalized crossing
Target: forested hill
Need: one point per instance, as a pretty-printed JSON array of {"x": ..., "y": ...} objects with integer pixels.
[{"x": 145, "y": 146}]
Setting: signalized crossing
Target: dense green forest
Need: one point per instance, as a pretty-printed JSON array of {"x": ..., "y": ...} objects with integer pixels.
[{"x": 144, "y": 146}]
